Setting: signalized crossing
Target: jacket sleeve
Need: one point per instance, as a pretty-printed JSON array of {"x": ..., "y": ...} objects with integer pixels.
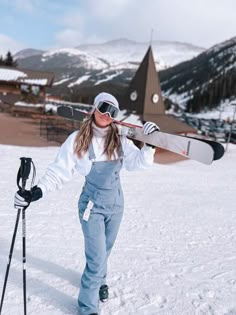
[
  {"x": 135, "y": 158},
  {"x": 62, "y": 169}
]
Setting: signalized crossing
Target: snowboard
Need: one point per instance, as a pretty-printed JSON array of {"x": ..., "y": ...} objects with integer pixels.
[{"x": 201, "y": 150}]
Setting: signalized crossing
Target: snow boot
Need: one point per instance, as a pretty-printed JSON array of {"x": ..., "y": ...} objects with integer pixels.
[{"x": 103, "y": 293}]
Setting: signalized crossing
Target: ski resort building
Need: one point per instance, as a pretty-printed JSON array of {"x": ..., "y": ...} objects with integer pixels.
[{"x": 23, "y": 85}]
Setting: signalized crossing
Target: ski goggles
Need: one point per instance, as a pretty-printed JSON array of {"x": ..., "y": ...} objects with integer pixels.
[{"x": 106, "y": 108}]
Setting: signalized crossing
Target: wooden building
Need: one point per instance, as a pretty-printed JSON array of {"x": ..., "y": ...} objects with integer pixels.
[{"x": 24, "y": 84}]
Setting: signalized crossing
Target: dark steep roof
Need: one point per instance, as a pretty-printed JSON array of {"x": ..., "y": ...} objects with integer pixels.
[
  {"x": 144, "y": 85},
  {"x": 169, "y": 123}
]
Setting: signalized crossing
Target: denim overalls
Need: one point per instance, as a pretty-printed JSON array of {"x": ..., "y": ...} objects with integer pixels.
[{"x": 102, "y": 187}]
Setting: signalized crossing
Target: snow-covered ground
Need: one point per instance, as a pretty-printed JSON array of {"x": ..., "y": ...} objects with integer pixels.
[{"x": 175, "y": 253}]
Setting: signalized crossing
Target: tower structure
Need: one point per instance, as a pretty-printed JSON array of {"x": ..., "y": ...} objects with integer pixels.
[{"x": 144, "y": 93}]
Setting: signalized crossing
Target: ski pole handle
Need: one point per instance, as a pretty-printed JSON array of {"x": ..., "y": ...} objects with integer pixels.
[{"x": 23, "y": 172}]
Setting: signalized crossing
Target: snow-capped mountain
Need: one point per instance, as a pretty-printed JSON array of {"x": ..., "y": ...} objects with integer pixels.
[
  {"x": 205, "y": 81},
  {"x": 96, "y": 63},
  {"x": 124, "y": 51},
  {"x": 191, "y": 76},
  {"x": 28, "y": 53}
]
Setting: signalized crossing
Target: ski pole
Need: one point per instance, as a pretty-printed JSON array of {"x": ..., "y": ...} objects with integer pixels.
[
  {"x": 25, "y": 171},
  {"x": 9, "y": 260},
  {"x": 24, "y": 259},
  {"x": 23, "y": 174}
]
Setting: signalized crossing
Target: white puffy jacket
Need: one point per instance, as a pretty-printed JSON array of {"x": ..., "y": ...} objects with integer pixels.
[{"x": 67, "y": 163}]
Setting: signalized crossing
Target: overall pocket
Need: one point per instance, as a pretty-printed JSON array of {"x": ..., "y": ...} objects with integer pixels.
[{"x": 82, "y": 204}]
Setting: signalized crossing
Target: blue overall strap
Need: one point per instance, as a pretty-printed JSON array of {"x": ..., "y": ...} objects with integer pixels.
[
  {"x": 92, "y": 155},
  {"x": 121, "y": 153}
]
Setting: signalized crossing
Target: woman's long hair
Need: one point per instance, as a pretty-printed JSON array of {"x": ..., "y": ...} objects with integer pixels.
[{"x": 85, "y": 135}]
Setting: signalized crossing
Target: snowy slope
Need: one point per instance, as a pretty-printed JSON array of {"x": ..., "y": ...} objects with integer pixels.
[
  {"x": 114, "y": 61},
  {"x": 28, "y": 53},
  {"x": 121, "y": 51},
  {"x": 83, "y": 58},
  {"x": 205, "y": 81},
  {"x": 175, "y": 253}
]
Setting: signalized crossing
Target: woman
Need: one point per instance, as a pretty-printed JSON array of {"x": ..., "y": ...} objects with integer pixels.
[{"x": 98, "y": 152}]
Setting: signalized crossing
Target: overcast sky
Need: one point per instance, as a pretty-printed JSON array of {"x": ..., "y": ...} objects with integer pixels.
[{"x": 47, "y": 24}]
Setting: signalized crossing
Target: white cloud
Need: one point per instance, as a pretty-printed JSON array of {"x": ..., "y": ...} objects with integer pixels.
[
  {"x": 108, "y": 10},
  {"x": 68, "y": 38},
  {"x": 73, "y": 28},
  {"x": 202, "y": 22},
  {"x": 73, "y": 19},
  {"x": 8, "y": 44},
  {"x": 96, "y": 22},
  {"x": 76, "y": 25}
]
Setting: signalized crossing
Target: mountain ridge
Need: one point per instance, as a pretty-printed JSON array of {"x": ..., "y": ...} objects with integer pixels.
[
  {"x": 93, "y": 64},
  {"x": 202, "y": 80},
  {"x": 206, "y": 80}
]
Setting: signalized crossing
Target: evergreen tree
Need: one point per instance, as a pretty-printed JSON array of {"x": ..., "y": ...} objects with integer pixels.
[
  {"x": 1, "y": 61},
  {"x": 9, "y": 61}
]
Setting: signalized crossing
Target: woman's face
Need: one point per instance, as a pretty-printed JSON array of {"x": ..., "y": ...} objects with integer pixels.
[{"x": 102, "y": 120}]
